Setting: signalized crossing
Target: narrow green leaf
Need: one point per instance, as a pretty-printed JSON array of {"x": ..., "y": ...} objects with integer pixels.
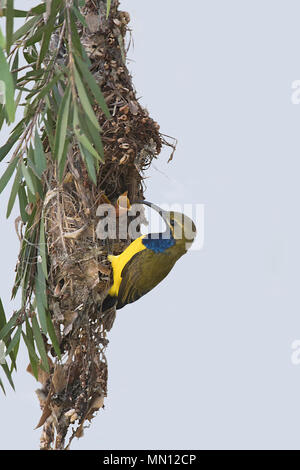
[
  {"x": 34, "y": 360},
  {"x": 79, "y": 16},
  {"x": 30, "y": 160},
  {"x": 36, "y": 89},
  {"x": 38, "y": 10},
  {"x": 2, "y": 315},
  {"x": 23, "y": 202},
  {"x": 45, "y": 89},
  {"x": 28, "y": 178},
  {"x": 18, "y": 99},
  {"x": 30, "y": 59},
  {"x": 85, "y": 101},
  {"x": 25, "y": 28},
  {"x": 9, "y": 23},
  {"x": 27, "y": 255},
  {"x": 36, "y": 37},
  {"x": 15, "y": 66},
  {"x": 43, "y": 247},
  {"x": 83, "y": 138},
  {"x": 49, "y": 126},
  {"x": 86, "y": 143},
  {"x": 39, "y": 155},
  {"x": 13, "y": 355},
  {"x": 88, "y": 129},
  {"x": 56, "y": 98},
  {"x": 48, "y": 31},
  {"x": 2, "y": 40},
  {"x": 62, "y": 124},
  {"x": 90, "y": 163},
  {"x": 16, "y": 13},
  {"x": 76, "y": 43},
  {"x": 9, "y": 90},
  {"x": 14, "y": 340},
  {"x": 8, "y": 374},
  {"x": 14, "y": 192},
  {"x": 9, "y": 144},
  {"x": 8, "y": 326},
  {"x": 39, "y": 342},
  {"x": 41, "y": 298},
  {"x": 93, "y": 85},
  {"x": 62, "y": 163},
  {"x": 53, "y": 336},
  {"x": 45, "y": 45},
  {"x": 2, "y": 117},
  {"x": 8, "y": 173},
  {"x": 33, "y": 173},
  {"x": 23, "y": 14},
  {"x": 108, "y": 5},
  {"x": 2, "y": 386},
  {"x": 7, "y": 337},
  {"x": 94, "y": 135}
]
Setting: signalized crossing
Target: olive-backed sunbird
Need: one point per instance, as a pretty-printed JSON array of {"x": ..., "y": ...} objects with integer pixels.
[{"x": 148, "y": 259}]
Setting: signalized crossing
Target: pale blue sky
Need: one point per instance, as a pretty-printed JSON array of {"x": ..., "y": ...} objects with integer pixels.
[{"x": 204, "y": 360}]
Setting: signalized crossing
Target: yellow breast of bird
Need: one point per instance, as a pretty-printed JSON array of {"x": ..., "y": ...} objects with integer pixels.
[{"x": 118, "y": 262}]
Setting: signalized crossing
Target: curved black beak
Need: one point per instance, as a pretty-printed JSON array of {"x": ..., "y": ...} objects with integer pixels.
[{"x": 158, "y": 209}]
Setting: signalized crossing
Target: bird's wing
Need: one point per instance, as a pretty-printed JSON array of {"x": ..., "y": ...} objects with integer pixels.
[{"x": 142, "y": 273}]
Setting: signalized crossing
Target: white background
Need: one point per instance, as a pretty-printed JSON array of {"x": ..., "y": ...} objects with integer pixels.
[{"x": 204, "y": 360}]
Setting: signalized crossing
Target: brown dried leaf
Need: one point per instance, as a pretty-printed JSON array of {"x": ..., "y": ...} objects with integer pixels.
[
  {"x": 46, "y": 412},
  {"x": 29, "y": 208},
  {"x": 79, "y": 432},
  {"x": 104, "y": 269},
  {"x": 59, "y": 379},
  {"x": 69, "y": 319},
  {"x": 93, "y": 22},
  {"x": 134, "y": 107},
  {"x": 97, "y": 403},
  {"x": 76, "y": 233},
  {"x": 91, "y": 273},
  {"x": 43, "y": 376},
  {"x": 57, "y": 290}
]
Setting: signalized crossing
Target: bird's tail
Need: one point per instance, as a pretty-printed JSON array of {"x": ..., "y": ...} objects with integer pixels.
[{"x": 109, "y": 302}]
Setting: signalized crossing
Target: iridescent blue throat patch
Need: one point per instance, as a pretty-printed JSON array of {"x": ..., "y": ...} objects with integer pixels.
[{"x": 157, "y": 243}]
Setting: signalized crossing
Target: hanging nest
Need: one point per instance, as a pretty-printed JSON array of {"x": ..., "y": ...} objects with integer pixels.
[{"x": 79, "y": 274}]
